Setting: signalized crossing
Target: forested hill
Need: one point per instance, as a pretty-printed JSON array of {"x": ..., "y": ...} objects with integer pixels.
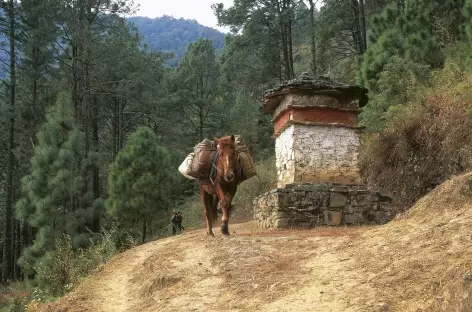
[
  {"x": 166, "y": 34},
  {"x": 169, "y": 34}
]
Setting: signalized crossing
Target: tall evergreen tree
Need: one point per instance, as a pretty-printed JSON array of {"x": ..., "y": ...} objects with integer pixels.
[
  {"x": 428, "y": 26},
  {"x": 385, "y": 42},
  {"x": 140, "y": 182},
  {"x": 83, "y": 22},
  {"x": 8, "y": 257},
  {"x": 272, "y": 18},
  {"x": 52, "y": 198},
  {"x": 416, "y": 30},
  {"x": 196, "y": 83},
  {"x": 36, "y": 85}
]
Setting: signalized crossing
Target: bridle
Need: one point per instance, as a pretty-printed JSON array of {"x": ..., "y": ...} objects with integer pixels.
[{"x": 215, "y": 162}]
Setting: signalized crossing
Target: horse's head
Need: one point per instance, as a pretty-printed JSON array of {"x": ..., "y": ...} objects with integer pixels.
[{"x": 227, "y": 149}]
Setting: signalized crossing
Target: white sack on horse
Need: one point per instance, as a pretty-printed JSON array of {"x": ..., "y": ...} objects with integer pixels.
[{"x": 186, "y": 167}]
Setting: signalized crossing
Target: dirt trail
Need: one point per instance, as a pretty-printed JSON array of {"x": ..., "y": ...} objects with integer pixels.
[
  {"x": 111, "y": 291},
  {"x": 415, "y": 263},
  {"x": 250, "y": 271}
]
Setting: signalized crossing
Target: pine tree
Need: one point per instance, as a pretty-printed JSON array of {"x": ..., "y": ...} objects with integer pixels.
[
  {"x": 52, "y": 199},
  {"x": 429, "y": 26},
  {"x": 196, "y": 83},
  {"x": 140, "y": 182},
  {"x": 84, "y": 23},
  {"x": 417, "y": 30},
  {"x": 467, "y": 13},
  {"x": 36, "y": 86},
  {"x": 8, "y": 256},
  {"x": 386, "y": 40},
  {"x": 262, "y": 20}
]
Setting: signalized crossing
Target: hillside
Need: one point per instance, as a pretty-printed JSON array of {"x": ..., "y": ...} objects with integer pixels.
[
  {"x": 165, "y": 34},
  {"x": 170, "y": 34},
  {"x": 418, "y": 262}
]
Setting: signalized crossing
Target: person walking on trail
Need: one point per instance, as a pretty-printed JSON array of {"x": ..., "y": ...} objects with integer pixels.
[
  {"x": 179, "y": 221},
  {"x": 175, "y": 222}
]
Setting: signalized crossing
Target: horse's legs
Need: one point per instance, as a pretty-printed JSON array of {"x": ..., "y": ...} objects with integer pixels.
[
  {"x": 214, "y": 208},
  {"x": 225, "y": 204},
  {"x": 207, "y": 206}
]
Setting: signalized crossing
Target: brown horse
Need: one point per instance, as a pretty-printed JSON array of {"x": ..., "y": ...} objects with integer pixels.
[{"x": 223, "y": 187}]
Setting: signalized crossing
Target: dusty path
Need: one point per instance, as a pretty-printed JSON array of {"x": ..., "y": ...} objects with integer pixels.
[
  {"x": 249, "y": 271},
  {"x": 112, "y": 292},
  {"x": 419, "y": 262}
]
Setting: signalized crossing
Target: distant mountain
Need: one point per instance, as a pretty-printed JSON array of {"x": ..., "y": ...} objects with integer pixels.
[
  {"x": 165, "y": 34},
  {"x": 168, "y": 34}
]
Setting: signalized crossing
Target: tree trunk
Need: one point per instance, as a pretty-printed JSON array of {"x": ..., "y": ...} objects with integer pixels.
[
  {"x": 115, "y": 126},
  {"x": 201, "y": 123},
  {"x": 290, "y": 49},
  {"x": 144, "y": 231},
  {"x": 362, "y": 26},
  {"x": 458, "y": 19},
  {"x": 400, "y": 8},
  {"x": 313, "y": 37},
  {"x": 357, "y": 36},
  {"x": 75, "y": 80},
  {"x": 25, "y": 236},
  {"x": 17, "y": 249},
  {"x": 1, "y": 257},
  {"x": 86, "y": 98},
  {"x": 95, "y": 174},
  {"x": 285, "y": 53},
  {"x": 7, "y": 269},
  {"x": 76, "y": 66},
  {"x": 87, "y": 148},
  {"x": 283, "y": 40},
  {"x": 13, "y": 250},
  {"x": 120, "y": 124},
  {"x": 281, "y": 75},
  {"x": 400, "y": 5},
  {"x": 34, "y": 91}
]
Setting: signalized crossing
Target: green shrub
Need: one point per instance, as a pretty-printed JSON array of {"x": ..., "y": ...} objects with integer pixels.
[
  {"x": 399, "y": 83},
  {"x": 63, "y": 269},
  {"x": 425, "y": 141},
  {"x": 15, "y": 297}
]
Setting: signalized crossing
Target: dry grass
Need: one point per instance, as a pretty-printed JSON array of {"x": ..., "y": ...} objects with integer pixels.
[
  {"x": 428, "y": 140},
  {"x": 156, "y": 273},
  {"x": 421, "y": 261},
  {"x": 248, "y": 273},
  {"x": 316, "y": 232},
  {"x": 414, "y": 261}
]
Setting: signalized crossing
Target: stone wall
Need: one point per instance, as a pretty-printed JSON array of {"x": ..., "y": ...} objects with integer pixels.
[
  {"x": 317, "y": 153},
  {"x": 309, "y": 204}
]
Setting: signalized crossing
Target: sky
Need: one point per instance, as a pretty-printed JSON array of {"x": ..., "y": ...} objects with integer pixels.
[{"x": 199, "y": 10}]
